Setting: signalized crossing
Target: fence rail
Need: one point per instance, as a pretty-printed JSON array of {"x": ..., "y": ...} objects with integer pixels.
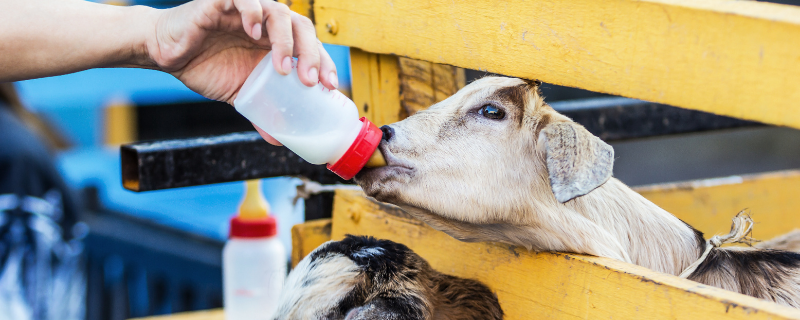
[
  {"x": 733, "y": 58},
  {"x": 552, "y": 285}
]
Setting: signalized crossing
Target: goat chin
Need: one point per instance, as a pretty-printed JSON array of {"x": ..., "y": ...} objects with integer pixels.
[{"x": 494, "y": 162}]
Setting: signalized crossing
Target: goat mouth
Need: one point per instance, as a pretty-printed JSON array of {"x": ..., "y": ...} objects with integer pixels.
[{"x": 394, "y": 168}]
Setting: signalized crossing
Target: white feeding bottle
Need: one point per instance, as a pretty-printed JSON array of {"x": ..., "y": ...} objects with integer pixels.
[
  {"x": 253, "y": 261},
  {"x": 318, "y": 124}
]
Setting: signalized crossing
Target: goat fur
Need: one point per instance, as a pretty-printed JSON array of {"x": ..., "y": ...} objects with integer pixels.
[
  {"x": 483, "y": 179},
  {"x": 362, "y": 278}
]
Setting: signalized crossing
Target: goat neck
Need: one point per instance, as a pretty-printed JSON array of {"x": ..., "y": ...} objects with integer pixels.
[{"x": 650, "y": 236}]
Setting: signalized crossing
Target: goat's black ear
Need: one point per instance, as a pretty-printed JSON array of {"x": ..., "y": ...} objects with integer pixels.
[{"x": 577, "y": 161}]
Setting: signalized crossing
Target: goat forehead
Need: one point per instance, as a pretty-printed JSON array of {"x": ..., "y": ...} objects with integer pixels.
[
  {"x": 514, "y": 94},
  {"x": 496, "y": 82},
  {"x": 488, "y": 88}
]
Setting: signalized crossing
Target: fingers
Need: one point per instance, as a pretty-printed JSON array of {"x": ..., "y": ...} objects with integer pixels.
[
  {"x": 328, "y": 75},
  {"x": 251, "y": 16},
  {"x": 279, "y": 28},
  {"x": 291, "y": 34},
  {"x": 306, "y": 48},
  {"x": 266, "y": 136}
]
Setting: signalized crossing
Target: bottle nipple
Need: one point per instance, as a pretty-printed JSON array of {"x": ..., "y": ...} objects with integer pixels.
[
  {"x": 376, "y": 160},
  {"x": 254, "y": 206}
]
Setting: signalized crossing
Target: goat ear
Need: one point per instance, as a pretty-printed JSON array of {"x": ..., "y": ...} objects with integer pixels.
[{"x": 577, "y": 161}]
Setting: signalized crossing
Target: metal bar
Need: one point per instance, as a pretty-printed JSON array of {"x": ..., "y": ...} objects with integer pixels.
[
  {"x": 240, "y": 156},
  {"x": 231, "y": 157},
  {"x": 615, "y": 118}
]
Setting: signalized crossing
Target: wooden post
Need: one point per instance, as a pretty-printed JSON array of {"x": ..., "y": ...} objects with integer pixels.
[
  {"x": 387, "y": 88},
  {"x": 423, "y": 83},
  {"x": 376, "y": 89}
]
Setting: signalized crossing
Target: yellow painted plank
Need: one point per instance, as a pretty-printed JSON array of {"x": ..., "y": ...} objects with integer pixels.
[
  {"x": 552, "y": 285},
  {"x": 120, "y": 122},
  {"x": 302, "y": 7},
  {"x": 375, "y": 87},
  {"x": 215, "y": 314},
  {"x": 308, "y": 236},
  {"x": 773, "y": 200},
  {"x": 735, "y": 58},
  {"x": 708, "y": 205}
]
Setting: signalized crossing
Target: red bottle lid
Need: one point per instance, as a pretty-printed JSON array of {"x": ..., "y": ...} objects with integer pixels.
[
  {"x": 360, "y": 151},
  {"x": 253, "y": 228}
]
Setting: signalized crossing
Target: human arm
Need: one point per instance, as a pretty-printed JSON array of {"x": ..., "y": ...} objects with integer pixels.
[{"x": 210, "y": 45}]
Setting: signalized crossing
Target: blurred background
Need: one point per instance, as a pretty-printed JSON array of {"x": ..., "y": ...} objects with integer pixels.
[{"x": 159, "y": 252}]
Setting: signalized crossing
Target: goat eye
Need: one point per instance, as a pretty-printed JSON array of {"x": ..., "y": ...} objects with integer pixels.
[{"x": 492, "y": 112}]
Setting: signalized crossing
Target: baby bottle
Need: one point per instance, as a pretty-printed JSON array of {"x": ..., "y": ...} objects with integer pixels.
[
  {"x": 318, "y": 124},
  {"x": 253, "y": 260}
]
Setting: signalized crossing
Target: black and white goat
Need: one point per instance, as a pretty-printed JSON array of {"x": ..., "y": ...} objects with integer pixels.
[
  {"x": 495, "y": 163},
  {"x": 362, "y": 278}
]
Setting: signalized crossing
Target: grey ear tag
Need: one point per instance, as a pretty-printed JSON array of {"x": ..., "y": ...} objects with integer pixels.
[{"x": 577, "y": 161}]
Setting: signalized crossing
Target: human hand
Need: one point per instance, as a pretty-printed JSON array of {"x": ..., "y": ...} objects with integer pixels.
[{"x": 213, "y": 45}]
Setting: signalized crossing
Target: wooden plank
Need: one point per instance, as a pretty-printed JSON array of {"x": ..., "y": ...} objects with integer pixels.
[
  {"x": 552, "y": 285},
  {"x": 215, "y": 314},
  {"x": 376, "y": 90},
  {"x": 423, "y": 83},
  {"x": 120, "y": 122},
  {"x": 303, "y": 7},
  {"x": 570, "y": 286},
  {"x": 735, "y": 58},
  {"x": 708, "y": 204},
  {"x": 308, "y": 236},
  {"x": 773, "y": 200},
  {"x": 387, "y": 88}
]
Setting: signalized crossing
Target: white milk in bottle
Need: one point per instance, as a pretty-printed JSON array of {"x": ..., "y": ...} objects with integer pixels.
[{"x": 318, "y": 124}]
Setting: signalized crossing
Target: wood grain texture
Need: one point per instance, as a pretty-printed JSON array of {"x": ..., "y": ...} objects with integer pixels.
[
  {"x": 308, "y": 236},
  {"x": 423, "y": 83},
  {"x": 216, "y": 314},
  {"x": 552, "y": 285},
  {"x": 773, "y": 200},
  {"x": 735, "y": 58},
  {"x": 376, "y": 88}
]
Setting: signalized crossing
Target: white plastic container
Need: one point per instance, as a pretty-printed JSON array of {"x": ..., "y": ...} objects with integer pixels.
[
  {"x": 318, "y": 124},
  {"x": 253, "y": 271},
  {"x": 253, "y": 261}
]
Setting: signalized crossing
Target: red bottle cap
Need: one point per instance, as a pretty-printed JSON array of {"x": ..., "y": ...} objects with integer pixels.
[
  {"x": 253, "y": 228},
  {"x": 360, "y": 151}
]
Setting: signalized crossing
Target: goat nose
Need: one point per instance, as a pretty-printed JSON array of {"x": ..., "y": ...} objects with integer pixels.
[{"x": 388, "y": 132}]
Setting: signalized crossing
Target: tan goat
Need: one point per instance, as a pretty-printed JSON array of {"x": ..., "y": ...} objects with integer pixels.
[{"x": 494, "y": 162}]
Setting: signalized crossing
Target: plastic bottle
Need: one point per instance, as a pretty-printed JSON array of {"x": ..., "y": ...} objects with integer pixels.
[
  {"x": 318, "y": 124},
  {"x": 253, "y": 260}
]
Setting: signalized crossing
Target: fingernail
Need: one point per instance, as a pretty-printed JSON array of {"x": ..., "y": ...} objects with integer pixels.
[
  {"x": 313, "y": 75},
  {"x": 286, "y": 65},
  {"x": 334, "y": 79},
  {"x": 256, "y": 31}
]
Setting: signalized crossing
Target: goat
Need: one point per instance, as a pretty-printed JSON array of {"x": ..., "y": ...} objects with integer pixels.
[
  {"x": 362, "y": 278},
  {"x": 494, "y": 162}
]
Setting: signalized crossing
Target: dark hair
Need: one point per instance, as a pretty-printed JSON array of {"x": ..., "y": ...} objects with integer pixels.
[{"x": 9, "y": 99}]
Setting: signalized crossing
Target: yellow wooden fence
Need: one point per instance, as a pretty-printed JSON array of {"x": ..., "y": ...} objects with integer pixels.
[{"x": 734, "y": 58}]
